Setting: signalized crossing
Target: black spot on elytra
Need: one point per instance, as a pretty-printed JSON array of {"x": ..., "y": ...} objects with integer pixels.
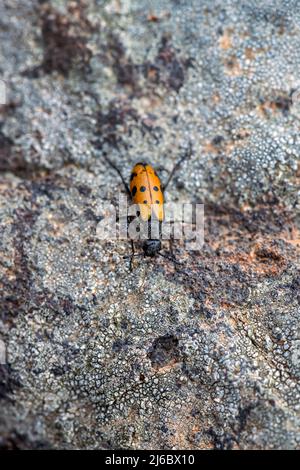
[
  {"x": 134, "y": 190},
  {"x": 145, "y": 202},
  {"x": 157, "y": 202},
  {"x": 155, "y": 188},
  {"x": 133, "y": 175},
  {"x": 143, "y": 189}
]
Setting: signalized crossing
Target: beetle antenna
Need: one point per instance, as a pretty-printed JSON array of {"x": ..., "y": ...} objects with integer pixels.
[
  {"x": 170, "y": 258},
  {"x": 187, "y": 154},
  {"x": 114, "y": 166}
]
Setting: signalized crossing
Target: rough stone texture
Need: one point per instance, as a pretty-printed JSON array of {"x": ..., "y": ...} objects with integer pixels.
[{"x": 100, "y": 357}]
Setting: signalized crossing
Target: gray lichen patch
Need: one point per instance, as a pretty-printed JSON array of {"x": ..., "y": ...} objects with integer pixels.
[{"x": 200, "y": 355}]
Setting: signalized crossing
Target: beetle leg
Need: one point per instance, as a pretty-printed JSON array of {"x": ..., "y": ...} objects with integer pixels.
[
  {"x": 132, "y": 256},
  {"x": 171, "y": 245},
  {"x": 170, "y": 258},
  {"x": 171, "y": 248}
]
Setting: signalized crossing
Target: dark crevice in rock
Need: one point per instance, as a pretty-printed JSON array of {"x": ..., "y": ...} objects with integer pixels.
[
  {"x": 164, "y": 351},
  {"x": 9, "y": 380}
]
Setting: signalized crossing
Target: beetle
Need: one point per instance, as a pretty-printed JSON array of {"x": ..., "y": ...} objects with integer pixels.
[{"x": 146, "y": 190}]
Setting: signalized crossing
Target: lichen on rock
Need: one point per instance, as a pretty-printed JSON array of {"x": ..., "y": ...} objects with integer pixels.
[{"x": 101, "y": 357}]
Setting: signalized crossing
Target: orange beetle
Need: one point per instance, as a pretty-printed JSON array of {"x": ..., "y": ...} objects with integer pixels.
[{"x": 146, "y": 191}]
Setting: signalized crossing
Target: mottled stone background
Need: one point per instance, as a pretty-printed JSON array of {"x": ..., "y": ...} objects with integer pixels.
[{"x": 99, "y": 357}]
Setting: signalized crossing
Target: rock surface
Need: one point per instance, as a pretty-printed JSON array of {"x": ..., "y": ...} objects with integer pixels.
[{"x": 99, "y": 357}]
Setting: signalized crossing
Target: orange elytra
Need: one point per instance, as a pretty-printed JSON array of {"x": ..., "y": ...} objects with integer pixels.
[{"x": 146, "y": 191}]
